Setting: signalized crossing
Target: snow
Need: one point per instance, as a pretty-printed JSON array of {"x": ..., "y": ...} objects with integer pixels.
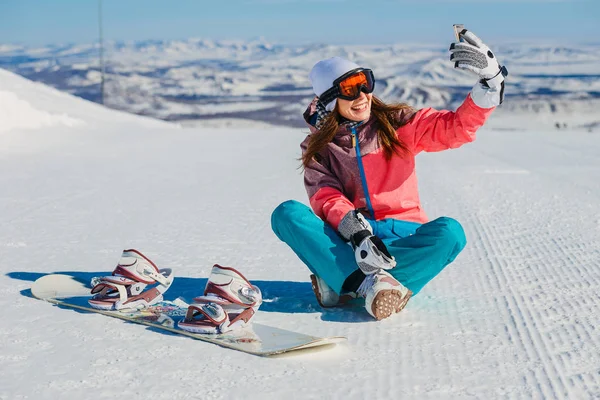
[
  {"x": 26, "y": 104},
  {"x": 19, "y": 114},
  {"x": 515, "y": 316}
]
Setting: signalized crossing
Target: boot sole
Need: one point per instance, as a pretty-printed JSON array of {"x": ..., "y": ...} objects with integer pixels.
[{"x": 388, "y": 302}]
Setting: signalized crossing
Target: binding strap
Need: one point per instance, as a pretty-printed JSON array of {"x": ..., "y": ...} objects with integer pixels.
[{"x": 212, "y": 312}]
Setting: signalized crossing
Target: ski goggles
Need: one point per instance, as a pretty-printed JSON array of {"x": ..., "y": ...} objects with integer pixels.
[{"x": 349, "y": 86}]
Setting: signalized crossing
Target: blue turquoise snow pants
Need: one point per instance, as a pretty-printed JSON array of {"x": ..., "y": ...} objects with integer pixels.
[{"x": 421, "y": 250}]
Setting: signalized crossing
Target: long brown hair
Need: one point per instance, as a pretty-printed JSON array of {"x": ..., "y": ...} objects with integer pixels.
[{"x": 389, "y": 117}]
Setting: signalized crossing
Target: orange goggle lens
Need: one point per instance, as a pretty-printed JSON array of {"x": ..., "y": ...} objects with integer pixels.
[{"x": 351, "y": 86}]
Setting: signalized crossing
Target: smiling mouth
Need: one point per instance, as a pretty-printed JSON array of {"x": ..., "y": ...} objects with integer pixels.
[{"x": 360, "y": 107}]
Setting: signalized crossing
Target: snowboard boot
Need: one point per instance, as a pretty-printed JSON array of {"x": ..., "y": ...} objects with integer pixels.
[{"x": 383, "y": 294}]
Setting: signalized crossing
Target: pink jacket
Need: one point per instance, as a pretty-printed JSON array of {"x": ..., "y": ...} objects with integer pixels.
[{"x": 338, "y": 181}]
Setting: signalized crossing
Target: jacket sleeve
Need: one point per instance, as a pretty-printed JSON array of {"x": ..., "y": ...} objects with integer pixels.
[
  {"x": 325, "y": 192},
  {"x": 432, "y": 130}
]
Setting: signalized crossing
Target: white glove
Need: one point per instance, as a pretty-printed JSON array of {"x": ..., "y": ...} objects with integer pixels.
[
  {"x": 474, "y": 56},
  {"x": 369, "y": 251}
]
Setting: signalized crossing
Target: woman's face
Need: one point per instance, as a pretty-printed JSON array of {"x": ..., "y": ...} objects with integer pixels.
[{"x": 357, "y": 109}]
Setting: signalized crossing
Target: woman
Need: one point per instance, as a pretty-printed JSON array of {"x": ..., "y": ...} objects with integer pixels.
[{"x": 359, "y": 172}]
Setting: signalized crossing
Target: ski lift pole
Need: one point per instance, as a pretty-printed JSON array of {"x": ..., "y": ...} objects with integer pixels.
[{"x": 101, "y": 51}]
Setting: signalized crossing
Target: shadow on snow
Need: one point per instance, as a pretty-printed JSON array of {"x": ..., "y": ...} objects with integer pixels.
[{"x": 278, "y": 296}]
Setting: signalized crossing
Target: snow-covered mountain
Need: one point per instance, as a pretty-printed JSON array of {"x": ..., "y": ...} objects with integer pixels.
[{"x": 200, "y": 79}]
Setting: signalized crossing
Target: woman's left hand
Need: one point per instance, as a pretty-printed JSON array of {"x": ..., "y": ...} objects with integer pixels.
[{"x": 474, "y": 56}]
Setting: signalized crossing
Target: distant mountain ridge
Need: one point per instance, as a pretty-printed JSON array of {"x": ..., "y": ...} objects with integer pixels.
[{"x": 196, "y": 80}]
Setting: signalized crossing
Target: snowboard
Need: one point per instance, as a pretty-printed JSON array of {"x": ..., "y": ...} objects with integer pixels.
[{"x": 257, "y": 339}]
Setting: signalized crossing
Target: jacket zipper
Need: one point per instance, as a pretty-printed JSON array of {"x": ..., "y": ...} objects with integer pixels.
[{"x": 361, "y": 171}]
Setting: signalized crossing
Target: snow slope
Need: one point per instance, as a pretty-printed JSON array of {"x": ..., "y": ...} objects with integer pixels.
[{"x": 515, "y": 316}]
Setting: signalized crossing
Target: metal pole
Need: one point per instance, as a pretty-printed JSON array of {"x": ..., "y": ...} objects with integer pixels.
[{"x": 101, "y": 51}]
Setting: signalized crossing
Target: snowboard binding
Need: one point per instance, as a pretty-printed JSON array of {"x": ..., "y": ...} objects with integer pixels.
[
  {"x": 229, "y": 303},
  {"x": 135, "y": 283}
]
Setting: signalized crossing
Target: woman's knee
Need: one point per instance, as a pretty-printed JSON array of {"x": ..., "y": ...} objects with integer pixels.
[
  {"x": 286, "y": 212},
  {"x": 451, "y": 232}
]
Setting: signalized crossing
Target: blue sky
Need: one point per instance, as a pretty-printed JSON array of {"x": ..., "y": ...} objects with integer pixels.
[{"x": 36, "y": 22}]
